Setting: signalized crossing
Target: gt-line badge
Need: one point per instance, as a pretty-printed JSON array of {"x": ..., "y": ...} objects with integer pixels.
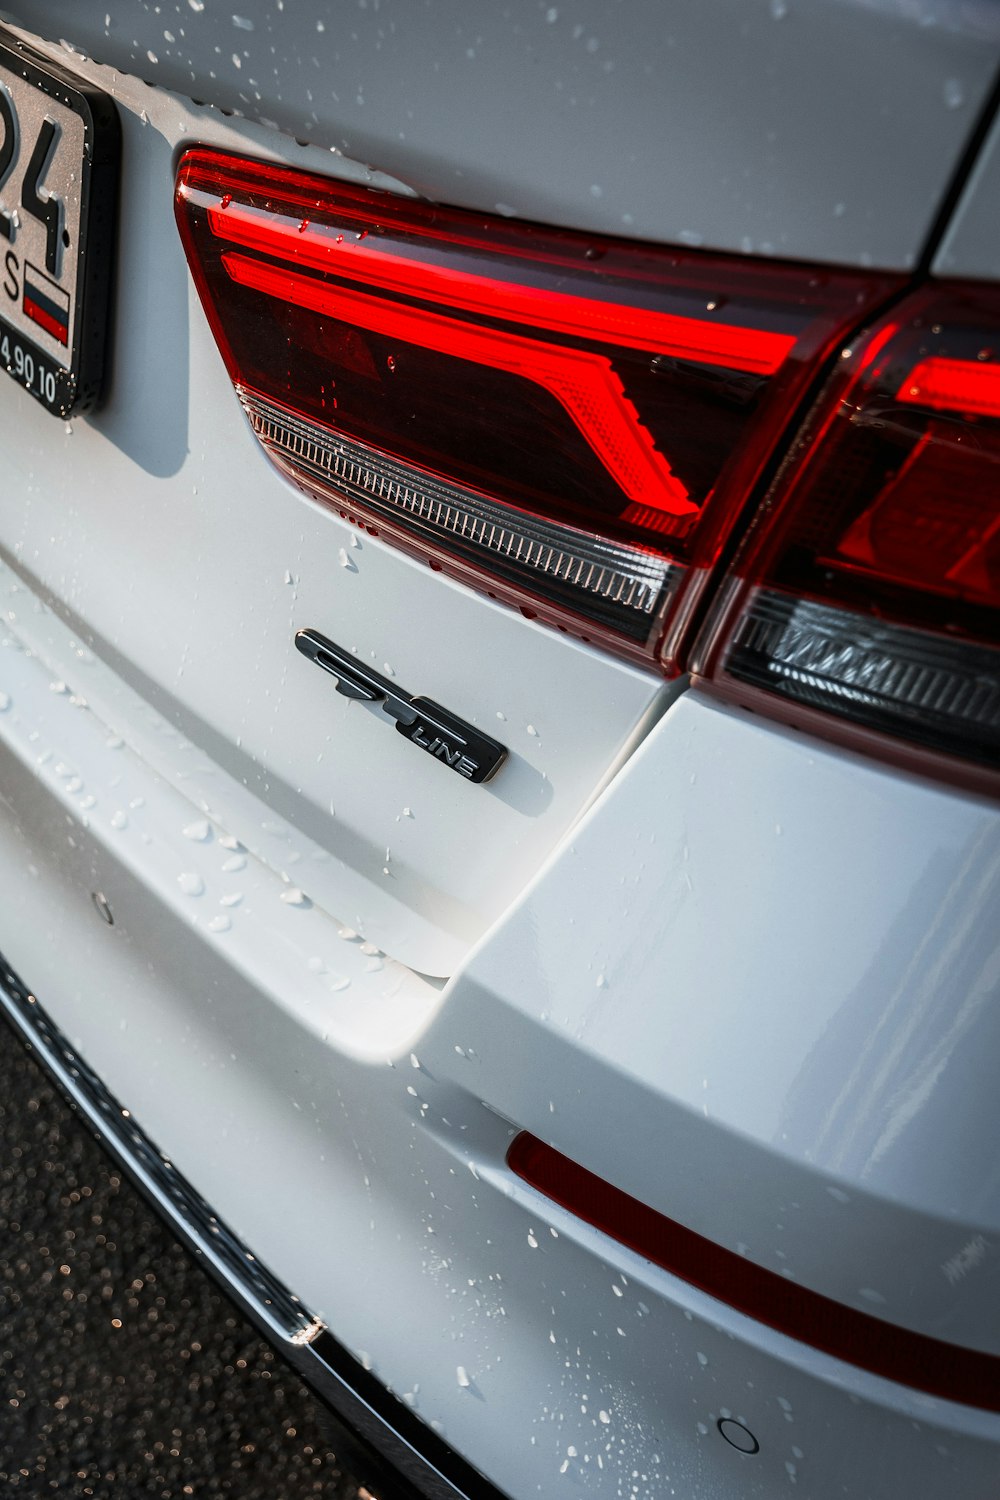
[
  {"x": 59, "y": 151},
  {"x": 425, "y": 724}
]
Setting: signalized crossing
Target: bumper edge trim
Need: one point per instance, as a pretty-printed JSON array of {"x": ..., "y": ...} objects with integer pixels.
[{"x": 385, "y": 1439}]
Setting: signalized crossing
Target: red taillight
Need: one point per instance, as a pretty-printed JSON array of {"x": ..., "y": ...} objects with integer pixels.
[
  {"x": 870, "y": 585},
  {"x": 914, "y": 1359},
  {"x": 573, "y": 424}
]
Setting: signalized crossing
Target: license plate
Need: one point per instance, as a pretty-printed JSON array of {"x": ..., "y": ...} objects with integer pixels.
[{"x": 59, "y": 153}]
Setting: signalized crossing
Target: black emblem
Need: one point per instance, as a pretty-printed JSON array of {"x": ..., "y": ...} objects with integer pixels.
[{"x": 449, "y": 739}]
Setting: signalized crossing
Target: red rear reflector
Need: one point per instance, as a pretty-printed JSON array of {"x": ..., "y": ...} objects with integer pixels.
[
  {"x": 912, "y": 1359},
  {"x": 572, "y": 424},
  {"x": 870, "y": 589}
]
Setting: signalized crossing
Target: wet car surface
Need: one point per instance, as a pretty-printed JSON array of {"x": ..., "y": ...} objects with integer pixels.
[{"x": 122, "y": 1368}]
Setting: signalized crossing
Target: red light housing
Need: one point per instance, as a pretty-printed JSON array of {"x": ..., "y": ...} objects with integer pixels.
[
  {"x": 868, "y": 592},
  {"x": 914, "y": 1359},
  {"x": 572, "y": 424}
]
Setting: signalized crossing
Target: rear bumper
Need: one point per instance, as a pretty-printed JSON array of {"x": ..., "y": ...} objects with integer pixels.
[
  {"x": 384, "y": 1439},
  {"x": 755, "y": 988}
]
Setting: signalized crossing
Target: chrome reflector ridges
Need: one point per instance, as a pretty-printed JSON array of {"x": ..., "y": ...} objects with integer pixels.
[
  {"x": 946, "y": 692},
  {"x": 629, "y": 583}
]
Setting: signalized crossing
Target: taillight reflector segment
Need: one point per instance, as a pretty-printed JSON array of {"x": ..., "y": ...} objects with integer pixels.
[
  {"x": 869, "y": 588},
  {"x": 573, "y": 423},
  {"x": 913, "y": 1359}
]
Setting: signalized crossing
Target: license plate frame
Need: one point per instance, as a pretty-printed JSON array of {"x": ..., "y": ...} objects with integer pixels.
[{"x": 60, "y": 150}]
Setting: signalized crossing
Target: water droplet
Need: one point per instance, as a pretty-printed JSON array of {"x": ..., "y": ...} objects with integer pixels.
[
  {"x": 702, "y": 1358},
  {"x": 532, "y": 730},
  {"x": 604, "y": 1417},
  {"x": 232, "y": 898},
  {"x": 119, "y": 819},
  {"x": 4, "y": 702},
  {"x": 233, "y": 863},
  {"x": 391, "y": 364},
  {"x": 954, "y": 93},
  {"x": 103, "y": 907},
  {"x": 199, "y": 831},
  {"x": 779, "y": 9},
  {"x": 191, "y": 883},
  {"x": 347, "y": 933},
  {"x": 531, "y": 1239},
  {"x": 369, "y": 948},
  {"x": 221, "y": 923},
  {"x": 462, "y": 1377},
  {"x": 292, "y": 896}
]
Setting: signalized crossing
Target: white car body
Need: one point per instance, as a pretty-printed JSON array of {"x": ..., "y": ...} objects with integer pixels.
[{"x": 748, "y": 976}]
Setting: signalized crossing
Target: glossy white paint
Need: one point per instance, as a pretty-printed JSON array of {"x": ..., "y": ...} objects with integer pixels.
[
  {"x": 175, "y": 548},
  {"x": 788, "y": 960},
  {"x": 375, "y": 1115},
  {"x": 752, "y": 981},
  {"x": 818, "y": 129}
]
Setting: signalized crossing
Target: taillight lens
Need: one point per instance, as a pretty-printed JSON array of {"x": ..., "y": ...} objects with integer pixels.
[
  {"x": 870, "y": 585},
  {"x": 572, "y": 423}
]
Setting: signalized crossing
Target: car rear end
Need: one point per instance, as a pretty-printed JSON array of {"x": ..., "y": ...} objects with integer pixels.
[{"x": 500, "y": 713}]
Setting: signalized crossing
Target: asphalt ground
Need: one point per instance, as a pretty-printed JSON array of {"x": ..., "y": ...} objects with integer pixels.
[{"x": 124, "y": 1371}]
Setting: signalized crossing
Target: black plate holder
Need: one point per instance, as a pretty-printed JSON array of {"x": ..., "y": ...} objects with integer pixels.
[{"x": 78, "y": 389}]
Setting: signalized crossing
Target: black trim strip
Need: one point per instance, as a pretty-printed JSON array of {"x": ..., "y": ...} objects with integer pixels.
[
  {"x": 959, "y": 180},
  {"x": 386, "y": 1440}
]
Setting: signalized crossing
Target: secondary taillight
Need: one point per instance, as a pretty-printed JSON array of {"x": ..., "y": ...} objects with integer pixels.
[
  {"x": 572, "y": 424},
  {"x": 869, "y": 589}
]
